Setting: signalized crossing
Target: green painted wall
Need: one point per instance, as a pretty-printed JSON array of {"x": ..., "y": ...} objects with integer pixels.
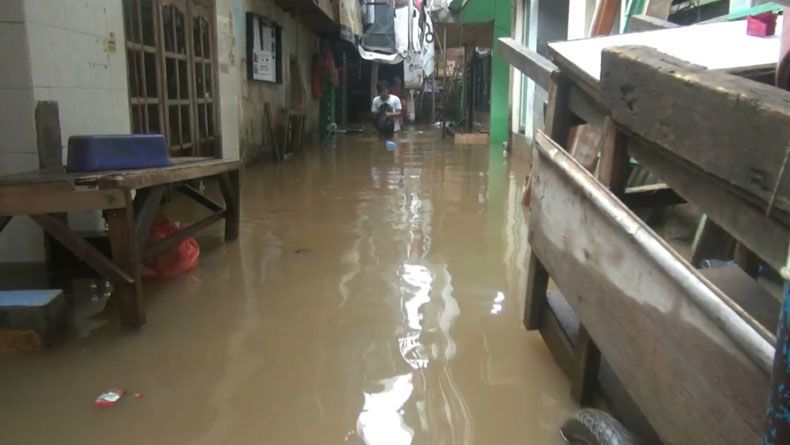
[{"x": 498, "y": 11}]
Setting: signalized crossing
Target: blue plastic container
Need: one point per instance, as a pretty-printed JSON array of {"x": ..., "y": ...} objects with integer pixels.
[{"x": 117, "y": 152}]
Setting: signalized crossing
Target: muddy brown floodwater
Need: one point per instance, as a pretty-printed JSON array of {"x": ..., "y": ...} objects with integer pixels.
[{"x": 374, "y": 298}]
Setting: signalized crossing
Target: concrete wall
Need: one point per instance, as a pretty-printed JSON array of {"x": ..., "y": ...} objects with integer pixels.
[
  {"x": 242, "y": 100},
  {"x": 72, "y": 52}
]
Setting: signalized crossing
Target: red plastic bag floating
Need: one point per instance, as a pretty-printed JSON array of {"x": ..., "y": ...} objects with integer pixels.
[{"x": 178, "y": 259}]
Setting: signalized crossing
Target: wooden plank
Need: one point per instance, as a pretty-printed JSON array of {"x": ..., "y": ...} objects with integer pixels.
[
  {"x": 41, "y": 201},
  {"x": 82, "y": 249},
  {"x": 126, "y": 254},
  {"x": 529, "y": 62},
  {"x": 171, "y": 241},
  {"x": 643, "y": 22},
  {"x": 745, "y": 145},
  {"x": 767, "y": 237},
  {"x": 137, "y": 179},
  {"x": 696, "y": 369}
]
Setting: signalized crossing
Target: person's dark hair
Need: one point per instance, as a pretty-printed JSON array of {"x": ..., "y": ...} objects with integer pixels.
[{"x": 383, "y": 84}]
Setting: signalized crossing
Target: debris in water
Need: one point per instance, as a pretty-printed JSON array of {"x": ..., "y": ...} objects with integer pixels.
[{"x": 109, "y": 398}]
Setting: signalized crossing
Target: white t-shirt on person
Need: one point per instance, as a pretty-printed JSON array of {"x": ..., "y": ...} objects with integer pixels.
[{"x": 395, "y": 107}]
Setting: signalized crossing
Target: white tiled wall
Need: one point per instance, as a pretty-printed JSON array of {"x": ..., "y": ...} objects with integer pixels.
[{"x": 58, "y": 50}]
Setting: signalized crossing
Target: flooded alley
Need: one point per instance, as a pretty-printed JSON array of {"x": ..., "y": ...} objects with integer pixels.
[{"x": 374, "y": 297}]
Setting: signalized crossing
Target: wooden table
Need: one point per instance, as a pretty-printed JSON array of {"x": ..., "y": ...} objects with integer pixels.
[
  {"x": 576, "y": 96},
  {"x": 130, "y": 200}
]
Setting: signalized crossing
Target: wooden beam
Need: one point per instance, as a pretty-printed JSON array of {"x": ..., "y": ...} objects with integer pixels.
[
  {"x": 82, "y": 249},
  {"x": 171, "y": 241},
  {"x": 530, "y": 63},
  {"x": 745, "y": 145}
]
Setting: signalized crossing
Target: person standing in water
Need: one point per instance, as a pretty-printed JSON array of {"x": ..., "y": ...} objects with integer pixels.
[{"x": 387, "y": 110}]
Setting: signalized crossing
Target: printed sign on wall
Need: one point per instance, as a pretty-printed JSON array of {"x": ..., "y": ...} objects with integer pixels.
[{"x": 263, "y": 49}]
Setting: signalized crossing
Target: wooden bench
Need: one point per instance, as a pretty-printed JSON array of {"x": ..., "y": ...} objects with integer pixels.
[{"x": 130, "y": 200}]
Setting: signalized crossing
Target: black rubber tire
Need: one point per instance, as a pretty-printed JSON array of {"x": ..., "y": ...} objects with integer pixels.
[{"x": 595, "y": 427}]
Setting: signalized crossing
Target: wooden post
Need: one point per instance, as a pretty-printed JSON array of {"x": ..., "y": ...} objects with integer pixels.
[
  {"x": 558, "y": 117},
  {"x": 614, "y": 168},
  {"x": 587, "y": 361},
  {"x": 231, "y": 192},
  {"x": 126, "y": 255}
]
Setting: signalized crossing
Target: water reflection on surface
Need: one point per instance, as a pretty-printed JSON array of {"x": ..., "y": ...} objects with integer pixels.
[{"x": 374, "y": 298}]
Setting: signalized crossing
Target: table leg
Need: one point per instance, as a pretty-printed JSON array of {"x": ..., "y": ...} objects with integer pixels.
[
  {"x": 125, "y": 252},
  {"x": 231, "y": 192}
]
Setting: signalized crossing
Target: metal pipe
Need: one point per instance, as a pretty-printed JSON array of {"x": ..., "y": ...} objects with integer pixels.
[{"x": 444, "y": 87}]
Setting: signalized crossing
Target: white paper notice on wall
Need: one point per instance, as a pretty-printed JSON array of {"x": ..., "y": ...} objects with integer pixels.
[{"x": 264, "y": 51}]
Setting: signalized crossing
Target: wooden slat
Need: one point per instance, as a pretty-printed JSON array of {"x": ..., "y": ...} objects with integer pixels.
[
  {"x": 694, "y": 367},
  {"x": 134, "y": 179},
  {"x": 530, "y": 63},
  {"x": 745, "y": 144},
  {"x": 747, "y": 223},
  {"x": 38, "y": 202},
  {"x": 82, "y": 249}
]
